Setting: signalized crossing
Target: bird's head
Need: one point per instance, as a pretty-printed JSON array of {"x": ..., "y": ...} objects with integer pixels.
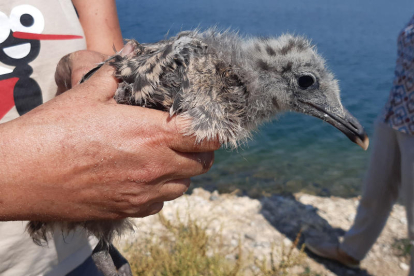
[{"x": 288, "y": 74}]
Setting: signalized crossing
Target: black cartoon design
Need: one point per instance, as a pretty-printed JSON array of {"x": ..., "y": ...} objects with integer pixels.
[{"x": 20, "y": 36}]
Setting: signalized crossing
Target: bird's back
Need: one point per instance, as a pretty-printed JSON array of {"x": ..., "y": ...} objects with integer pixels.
[
  {"x": 187, "y": 75},
  {"x": 192, "y": 75}
]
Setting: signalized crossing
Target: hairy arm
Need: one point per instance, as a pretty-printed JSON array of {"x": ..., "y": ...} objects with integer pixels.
[
  {"x": 82, "y": 156},
  {"x": 99, "y": 20}
]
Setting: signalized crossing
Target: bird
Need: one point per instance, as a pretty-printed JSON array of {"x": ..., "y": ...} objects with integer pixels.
[{"x": 225, "y": 85}]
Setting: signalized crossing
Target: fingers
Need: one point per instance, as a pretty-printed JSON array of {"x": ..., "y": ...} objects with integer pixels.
[
  {"x": 104, "y": 77},
  {"x": 186, "y": 165},
  {"x": 169, "y": 191},
  {"x": 72, "y": 67},
  {"x": 171, "y": 130},
  {"x": 152, "y": 209},
  {"x": 173, "y": 189},
  {"x": 187, "y": 143},
  {"x": 128, "y": 48},
  {"x": 63, "y": 75},
  {"x": 101, "y": 86},
  {"x": 83, "y": 62}
]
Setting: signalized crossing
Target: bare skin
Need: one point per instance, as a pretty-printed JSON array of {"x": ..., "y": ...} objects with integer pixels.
[
  {"x": 74, "y": 66},
  {"x": 81, "y": 156},
  {"x": 100, "y": 24}
]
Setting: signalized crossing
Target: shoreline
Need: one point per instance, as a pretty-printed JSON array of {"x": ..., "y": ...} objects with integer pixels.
[{"x": 274, "y": 222}]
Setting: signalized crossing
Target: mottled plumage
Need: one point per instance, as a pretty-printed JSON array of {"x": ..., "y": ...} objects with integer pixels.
[{"x": 225, "y": 85}]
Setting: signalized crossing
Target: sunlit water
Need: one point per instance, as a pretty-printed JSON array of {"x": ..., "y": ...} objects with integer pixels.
[{"x": 295, "y": 152}]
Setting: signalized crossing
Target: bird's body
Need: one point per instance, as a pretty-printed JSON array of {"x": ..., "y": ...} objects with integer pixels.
[
  {"x": 225, "y": 85},
  {"x": 188, "y": 76}
]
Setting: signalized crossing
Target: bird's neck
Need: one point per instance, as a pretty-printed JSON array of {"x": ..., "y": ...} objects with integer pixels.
[
  {"x": 238, "y": 54},
  {"x": 262, "y": 106}
]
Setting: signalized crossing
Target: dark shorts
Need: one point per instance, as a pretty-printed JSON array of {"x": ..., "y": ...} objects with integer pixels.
[{"x": 87, "y": 268}]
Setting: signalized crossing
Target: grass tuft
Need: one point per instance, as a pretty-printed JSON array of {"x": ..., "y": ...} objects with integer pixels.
[
  {"x": 402, "y": 247},
  {"x": 281, "y": 266},
  {"x": 185, "y": 249}
]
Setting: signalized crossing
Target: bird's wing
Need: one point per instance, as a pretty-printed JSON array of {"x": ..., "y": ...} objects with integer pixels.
[
  {"x": 153, "y": 75},
  {"x": 186, "y": 76}
]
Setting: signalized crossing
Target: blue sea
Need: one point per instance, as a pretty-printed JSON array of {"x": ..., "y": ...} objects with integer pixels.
[{"x": 295, "y": 152}]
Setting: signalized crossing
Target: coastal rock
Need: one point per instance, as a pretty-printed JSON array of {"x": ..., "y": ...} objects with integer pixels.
[
  {"x": 275, "y": 221},
  {"x": 404, "y": 266}
]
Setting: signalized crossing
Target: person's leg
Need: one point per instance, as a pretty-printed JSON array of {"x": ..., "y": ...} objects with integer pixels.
[
  {"x": 380, "y": 192},
  {"x": 406, "y": 143}
]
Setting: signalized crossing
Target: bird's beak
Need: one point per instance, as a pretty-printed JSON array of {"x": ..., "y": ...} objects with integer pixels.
[{"x": 346, "y": 123}]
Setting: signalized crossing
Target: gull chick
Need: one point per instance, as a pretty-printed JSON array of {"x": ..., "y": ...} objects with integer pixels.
[{"x": 225, "y": 85}]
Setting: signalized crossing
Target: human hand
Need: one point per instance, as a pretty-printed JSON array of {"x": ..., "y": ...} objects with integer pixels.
[
  {"x": 72, "y": 67},
  {"x": 82, "y": 156}
]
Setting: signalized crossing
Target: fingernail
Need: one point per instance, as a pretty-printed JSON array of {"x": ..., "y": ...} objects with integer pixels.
[{"x": 128, "y": 48}]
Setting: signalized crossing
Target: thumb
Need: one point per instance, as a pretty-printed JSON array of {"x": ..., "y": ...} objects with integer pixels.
[
  {"x": 84, "y": 61},
  {"x": 103, "y": 79},
  {"x": 72, "y": 67},
  {"x": 102, "y": 84}
]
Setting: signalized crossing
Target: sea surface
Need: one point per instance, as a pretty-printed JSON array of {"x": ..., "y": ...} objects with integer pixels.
[{"x": 295, "y": 152}]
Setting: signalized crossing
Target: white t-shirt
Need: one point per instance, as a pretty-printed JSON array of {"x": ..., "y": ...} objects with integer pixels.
[{"x": 35, "y": 34}]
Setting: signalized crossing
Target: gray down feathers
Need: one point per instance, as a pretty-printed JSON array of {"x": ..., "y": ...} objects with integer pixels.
[{"x": 225, "y": 84}]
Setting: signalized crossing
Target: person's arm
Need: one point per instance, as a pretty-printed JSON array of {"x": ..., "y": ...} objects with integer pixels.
[
  {"x": 81, "y": 156},
  {"x": 99, "y": 20}
]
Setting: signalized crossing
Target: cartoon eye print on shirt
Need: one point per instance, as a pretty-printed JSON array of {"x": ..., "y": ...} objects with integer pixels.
[
  {"x": 28, "y": 19},
  {"x": 20, "y": 36},
  {"x": 4, "y": 27},
  {"x": 24, "y": 19}
]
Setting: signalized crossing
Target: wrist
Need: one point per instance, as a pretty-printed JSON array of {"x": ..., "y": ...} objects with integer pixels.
[{"x": 18, "y": 169}]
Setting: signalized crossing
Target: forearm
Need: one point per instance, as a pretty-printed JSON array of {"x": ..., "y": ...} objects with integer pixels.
[
  {"x": 99, "y": 20},
  {"x": 8, "y": 175},
  {"x": 21, "y": 170},
  {"x": 46, "y": 173},
  {"x": 81, "y": 156}
]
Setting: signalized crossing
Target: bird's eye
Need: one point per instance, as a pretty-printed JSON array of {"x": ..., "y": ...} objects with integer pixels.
[
  {"x": 4, "y": 27},
  {"x": 306, "y": 81},
  {"x": 27, "y": 19}
]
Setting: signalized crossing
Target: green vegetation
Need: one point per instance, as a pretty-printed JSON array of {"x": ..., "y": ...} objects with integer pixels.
[
  {"x": 185, "y": 249},
  {"x": 282, "y": 267},
  {"x": 402, "y": 247},
  {"x": 309, "y": 272}
]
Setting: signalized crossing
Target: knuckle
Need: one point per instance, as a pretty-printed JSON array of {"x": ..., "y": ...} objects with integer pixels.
[
  {"x": 139, "y": 201},
  {"x": 147, "y": 171},
  {"x": 153, "y": 172}
]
